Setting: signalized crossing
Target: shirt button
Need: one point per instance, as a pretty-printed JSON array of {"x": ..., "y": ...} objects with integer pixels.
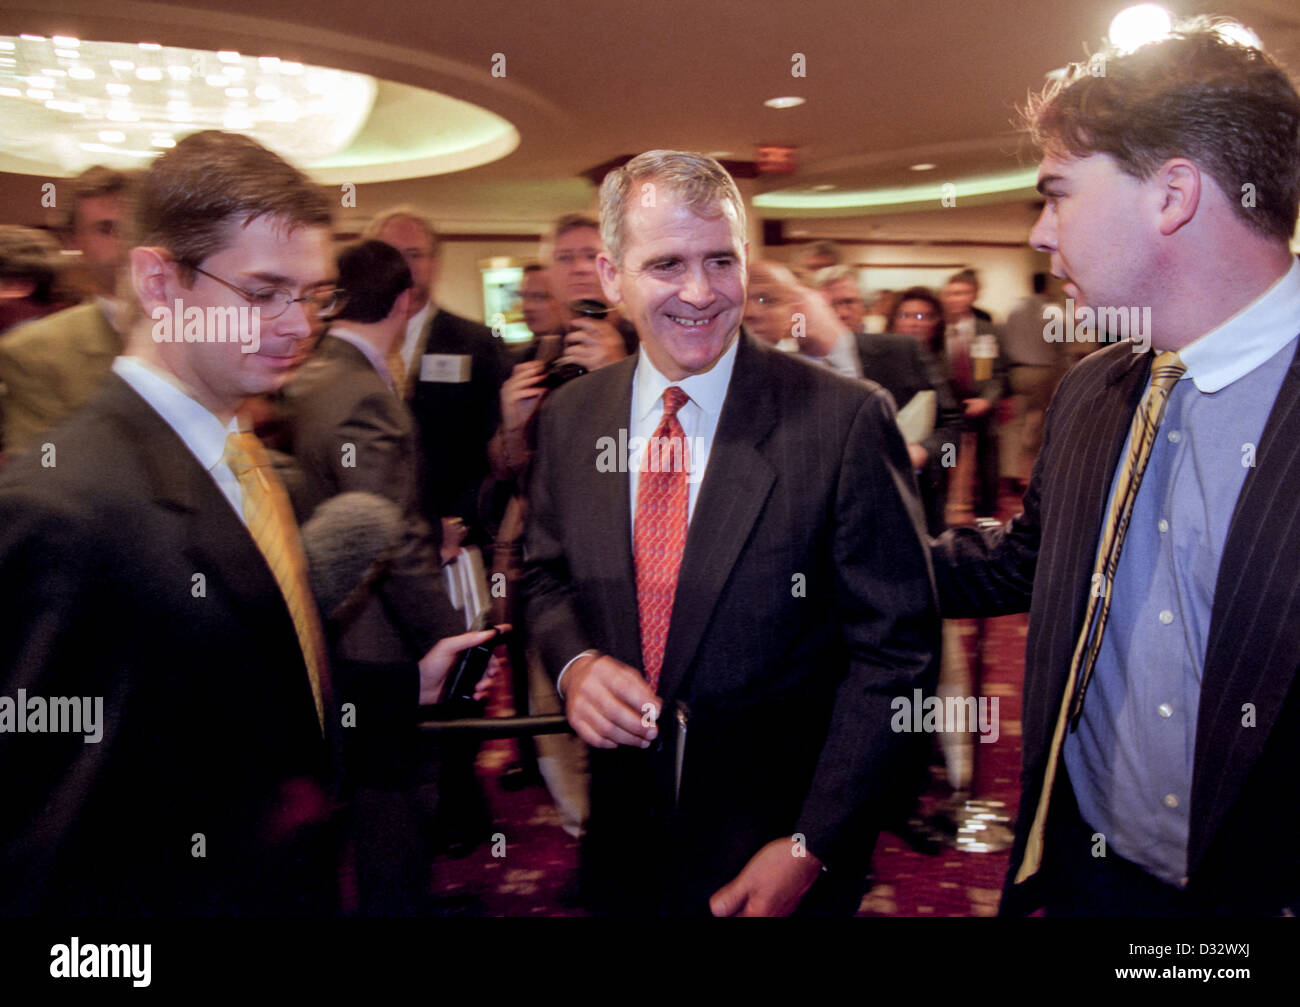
[
  {"x": 1174, "y": 437},
  {"x": 1165, "y": 710},
  {"x": 1163, "y": 525},
  {"x": 1166, "y": 617},
  {"x": 1171, "y": 801}
]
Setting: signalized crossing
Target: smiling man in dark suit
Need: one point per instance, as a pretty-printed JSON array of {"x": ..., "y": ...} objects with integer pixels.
[
  {"x": 1161, "y": 711},
  {"x": 728, "y": 626}
]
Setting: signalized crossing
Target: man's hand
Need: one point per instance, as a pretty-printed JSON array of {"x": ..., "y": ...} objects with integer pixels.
[
  {"x": 975, "y": 408},
  {"x": 593, "y": 343},
  {"x": 435, "y": 665},
  {"x": 520, "y": 395},
  {"x": 453, "y": 534},
  {"x": 771, "y": 884},
  {"x": 609, "y": 703},
  {"x": 918, "y": 455},
  {"x": 822, "y": 327}
]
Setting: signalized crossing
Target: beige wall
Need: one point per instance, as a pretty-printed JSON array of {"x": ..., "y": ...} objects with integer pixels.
[{"x": 460, "y": 287}]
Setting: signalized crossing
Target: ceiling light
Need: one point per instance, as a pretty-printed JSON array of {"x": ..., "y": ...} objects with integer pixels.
[
  {"x": 112, "y": 136},
  {"x": 787, "y": 102},
  {"x": 824, "y": 187},
  {"x": 66, "y": 41},
  {"x": 318, "y": 118},
  {"x": 923, "y": 166},
  {"x": 1240, "y": 34},
  {"x": 1136, "y": 26}
]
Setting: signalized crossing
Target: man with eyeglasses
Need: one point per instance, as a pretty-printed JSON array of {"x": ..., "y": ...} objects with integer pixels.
[{"x": 158, "y": 638}]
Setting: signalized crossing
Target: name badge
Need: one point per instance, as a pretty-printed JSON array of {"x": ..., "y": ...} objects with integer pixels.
[{"x": 445, "y": 368}]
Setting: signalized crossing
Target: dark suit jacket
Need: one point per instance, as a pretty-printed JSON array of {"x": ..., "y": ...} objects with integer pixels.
[
  {"x": 804, "y": 604},
  {"x": 340, "y": 411},
  {"x": 457, "y": 420},
  {"x": 896, "y": 363},
  {"x": 1245, "y": 812},
  {"x": 126, "y": 574}
]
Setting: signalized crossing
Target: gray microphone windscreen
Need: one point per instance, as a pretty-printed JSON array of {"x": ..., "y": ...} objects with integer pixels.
[{"x": 344, "y": 538}]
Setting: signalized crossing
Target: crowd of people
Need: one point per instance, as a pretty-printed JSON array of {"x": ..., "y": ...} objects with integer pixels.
[{"x": 708, "y": 504}]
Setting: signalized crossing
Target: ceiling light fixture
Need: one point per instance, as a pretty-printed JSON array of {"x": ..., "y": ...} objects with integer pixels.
[
  {"x": 1137, "y": 25},
  {"x": 70, "y": 90},
  {"x": 787, "y": 102}
]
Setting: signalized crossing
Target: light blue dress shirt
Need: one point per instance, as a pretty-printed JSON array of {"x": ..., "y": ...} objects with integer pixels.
[{"x": 1130, "y": 761}]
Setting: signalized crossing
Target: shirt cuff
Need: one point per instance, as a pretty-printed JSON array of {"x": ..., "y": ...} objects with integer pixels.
[{"x": 560, "y": 677}]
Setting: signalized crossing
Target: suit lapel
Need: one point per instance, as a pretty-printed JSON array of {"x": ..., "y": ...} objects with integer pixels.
[
  {"x": 609, "y": 492},
  {"x": 1255, "y": 625},
  {"x": 735, "y": 488},
  {"x": 214, "y": 537}
]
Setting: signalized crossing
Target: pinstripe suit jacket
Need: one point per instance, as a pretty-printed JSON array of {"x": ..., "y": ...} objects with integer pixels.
[
  {"x": 804, "y": 604},
  {"x": 1243, "y": 854}
]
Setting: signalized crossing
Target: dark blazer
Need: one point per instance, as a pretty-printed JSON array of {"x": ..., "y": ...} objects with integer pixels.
[
  {"x": 457, "y": 420},
  {"x": 895, "y": 363},
  {"x": 126, "y": 574},
  {"x": 349, "y": 432},
  {"x": 899, "y": 365},
  {"x": 1245, "y": 812},
  {"x": 804, "y": 604}
]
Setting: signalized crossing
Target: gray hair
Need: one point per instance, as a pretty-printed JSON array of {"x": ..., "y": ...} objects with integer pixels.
[
  {"x": 823, "y": 278},
  {"x": 697, "y": 180},
  {"x": 406, "y": 211}
]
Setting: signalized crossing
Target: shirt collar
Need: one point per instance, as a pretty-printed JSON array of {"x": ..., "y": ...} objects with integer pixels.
[
  {"x": 367, "y": 349},
  {"x": 202, "y": 432},
  {"x": 1247, "y": 339},
  {"x": 707, "y": 390}
]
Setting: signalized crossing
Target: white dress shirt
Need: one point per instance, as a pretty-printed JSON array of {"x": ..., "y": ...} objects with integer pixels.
[
  {"x": 698, "y": 416},
  {"x": 414, "y": 326},
  {"x": 699, "y": 419},
  {"x": 203, "y": 433}
]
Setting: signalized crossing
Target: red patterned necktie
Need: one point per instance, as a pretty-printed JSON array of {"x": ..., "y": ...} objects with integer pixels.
[{"x": 662, "y": 509}]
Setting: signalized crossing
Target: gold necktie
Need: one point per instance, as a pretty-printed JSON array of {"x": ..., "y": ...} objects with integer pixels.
[
  {"x": 1166, "y": 369},
  {"x": 397, "y": 369},
  {"x": 271, "y": 523}
]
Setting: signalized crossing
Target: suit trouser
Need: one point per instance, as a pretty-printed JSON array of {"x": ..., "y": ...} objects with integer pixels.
[{"x": 1036, "y": 384}]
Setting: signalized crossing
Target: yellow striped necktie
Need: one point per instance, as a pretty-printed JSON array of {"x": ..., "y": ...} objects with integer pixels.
[
  {"x": 271, "y": 523},
  {"x": 1166, "y": 369},
  {"x": 397, "y": 371}
]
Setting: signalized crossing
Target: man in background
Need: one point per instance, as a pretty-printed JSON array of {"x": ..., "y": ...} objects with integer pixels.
[
  {"x": 52, "y": 367},
  {"x": 978, "y": 372},
  {"x": 1035, "y": 365}
]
